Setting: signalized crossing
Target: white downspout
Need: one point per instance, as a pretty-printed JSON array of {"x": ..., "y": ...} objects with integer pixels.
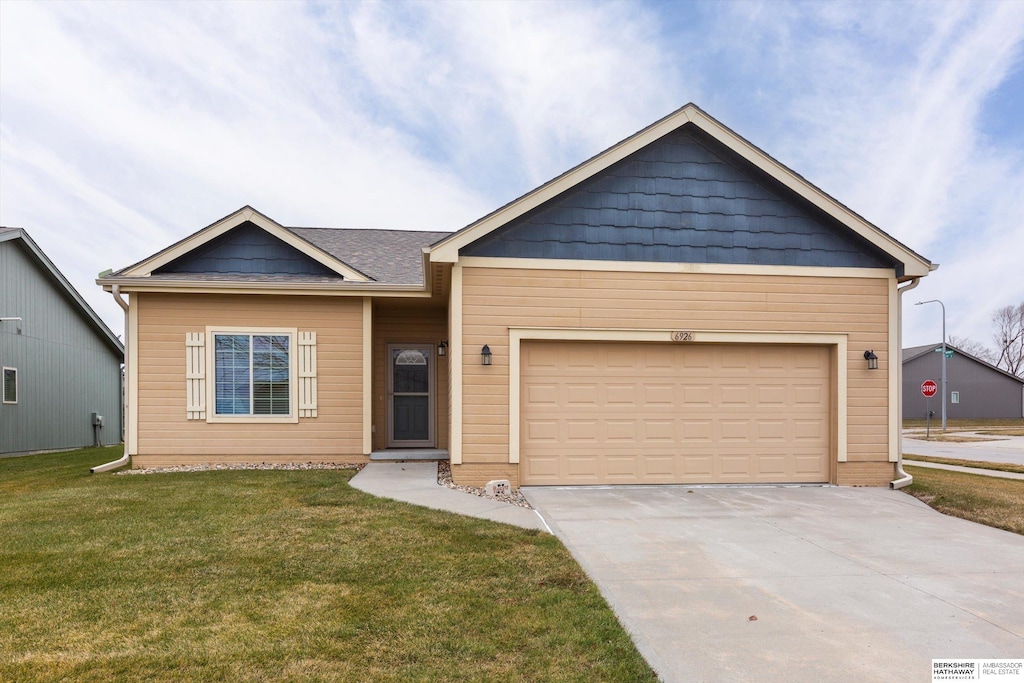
[
  {"x": 123, "y": 460},
  {"x": 903, "y": 479}
]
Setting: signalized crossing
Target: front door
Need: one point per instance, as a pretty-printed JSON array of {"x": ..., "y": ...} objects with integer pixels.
[{"x": 410, "y": 395}]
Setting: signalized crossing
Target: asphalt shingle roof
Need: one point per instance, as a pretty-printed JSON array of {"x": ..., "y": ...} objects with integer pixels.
[{"x": 387, "y": 256}]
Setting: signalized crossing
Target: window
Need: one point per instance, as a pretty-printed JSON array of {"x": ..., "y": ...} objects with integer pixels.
[
  {"x": 252, "y": 374},
  {"x": 954, "y": 397},
  {"x": 10, "y": 385}
]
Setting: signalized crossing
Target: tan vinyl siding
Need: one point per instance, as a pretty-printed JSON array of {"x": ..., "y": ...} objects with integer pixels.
[
  {"x": 866, "y": 473},
  {"x": 408, "y": 325},
  {"x": 167, "y": 437},
  {"x": 494, "y": 299}
]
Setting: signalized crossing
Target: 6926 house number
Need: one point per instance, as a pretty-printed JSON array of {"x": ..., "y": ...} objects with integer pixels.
[{"x": 682, "y": 336}]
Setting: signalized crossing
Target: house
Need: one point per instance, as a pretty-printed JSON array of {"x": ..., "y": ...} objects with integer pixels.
[
  {"x": 977, "y": 389},
  {"x": 679, "y": 308},
  {"x": 61, "y": 363}
]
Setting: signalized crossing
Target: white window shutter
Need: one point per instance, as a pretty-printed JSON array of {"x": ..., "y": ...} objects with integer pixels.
[
  {"x": 195, "y": 375},
  {"x": 307, "y": 374}
]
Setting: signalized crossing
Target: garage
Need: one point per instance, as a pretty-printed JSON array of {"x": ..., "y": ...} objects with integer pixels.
[{"x": 648, "y": 413}]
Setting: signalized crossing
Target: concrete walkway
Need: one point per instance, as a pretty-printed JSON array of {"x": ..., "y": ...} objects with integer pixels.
[
  {"x": 959, "y": 468},
  {"x": 416, "y": 483},
  {"x": 793, "y": 584},
  {"x": 1006, "y": 449}
]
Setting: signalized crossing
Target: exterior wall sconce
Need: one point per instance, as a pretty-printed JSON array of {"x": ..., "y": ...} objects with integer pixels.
[
  {"x": 872, "y": 360},
  {"x": 442, "y": 349},
  {"x": 485, "y": 355}
]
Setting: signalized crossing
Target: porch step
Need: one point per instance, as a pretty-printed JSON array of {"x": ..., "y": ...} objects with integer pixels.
[{"x": 394, "y": 454}]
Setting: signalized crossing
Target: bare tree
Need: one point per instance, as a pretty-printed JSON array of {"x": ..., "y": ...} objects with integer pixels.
[
  {"x": 1009, "y": 338},
  {"x": 975, "y": 348}
]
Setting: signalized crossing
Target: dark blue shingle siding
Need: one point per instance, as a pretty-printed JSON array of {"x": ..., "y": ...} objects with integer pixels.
[
  {"x": 248, "y": 250},
  {"x": 682, "y": 200}
]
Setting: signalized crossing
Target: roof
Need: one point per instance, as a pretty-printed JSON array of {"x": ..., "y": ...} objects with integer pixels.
[
  {"x": 914, "y": 265},
  {"x": 915, "y": 352},
  {"x": 392, "y": 256},
  {"x": 47, "y": 267},
  {"x": 363, "y": 257}
]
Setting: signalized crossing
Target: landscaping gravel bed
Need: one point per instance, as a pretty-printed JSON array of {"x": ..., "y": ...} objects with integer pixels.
[
  {"x": 247, "y": 466},
  {"x": 444, "y": 477}
]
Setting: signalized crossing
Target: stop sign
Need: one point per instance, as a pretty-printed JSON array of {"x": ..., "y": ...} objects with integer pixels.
[{"x": 928, "y": 388}]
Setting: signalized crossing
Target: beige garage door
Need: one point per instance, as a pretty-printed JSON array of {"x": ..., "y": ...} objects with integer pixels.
[{"x": 628, "y": 413}]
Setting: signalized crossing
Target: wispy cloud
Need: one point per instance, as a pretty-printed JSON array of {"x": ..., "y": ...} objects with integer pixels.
[{"x": 125, "y": 126}]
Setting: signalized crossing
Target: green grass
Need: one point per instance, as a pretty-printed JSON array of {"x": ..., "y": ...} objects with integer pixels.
[
  {"x": 277, "y": 575},
  {"x": 979, "y": 464},
  {"x": 987, "y": 500}
]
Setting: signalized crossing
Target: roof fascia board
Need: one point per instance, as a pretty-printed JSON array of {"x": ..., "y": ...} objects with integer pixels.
[
  {"x": 447, "y": 250},
  {"x": 141, "y": 284},
  {"x": 211, "y": 232},
  {"x": 56, "y": 276},
  {"x": 915, "y": 266}
]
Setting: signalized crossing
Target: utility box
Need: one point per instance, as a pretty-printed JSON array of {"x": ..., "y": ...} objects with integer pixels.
[
  {"x": 97, "y": 420},
  {"x": 498, "y": 487}
]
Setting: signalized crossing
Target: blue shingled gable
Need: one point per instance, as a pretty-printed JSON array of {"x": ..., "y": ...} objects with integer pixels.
[
  {"x": 248, "y": 250},
  {"x": 682, "y": 199}
]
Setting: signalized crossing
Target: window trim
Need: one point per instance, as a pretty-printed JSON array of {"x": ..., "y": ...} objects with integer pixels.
[
  {"x": 3, "y": 389},
  {"x": 211, "y": 381}
]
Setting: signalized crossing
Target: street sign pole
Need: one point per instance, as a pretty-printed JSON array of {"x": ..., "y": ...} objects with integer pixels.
[
  {"x": 928, "y": 389},
  {"x": 944, "y": 392},
  {"x": 927, "y": 418}
]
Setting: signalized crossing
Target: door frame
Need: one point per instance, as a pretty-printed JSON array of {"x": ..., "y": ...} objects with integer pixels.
[{"x": 389, "y": 404}]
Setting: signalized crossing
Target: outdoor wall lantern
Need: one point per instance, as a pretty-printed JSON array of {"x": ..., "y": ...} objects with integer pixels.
[
  {"x": 485, "y": 355},
  {"x": 442, "y": 348},
  {"x": 872, "y": 360}
]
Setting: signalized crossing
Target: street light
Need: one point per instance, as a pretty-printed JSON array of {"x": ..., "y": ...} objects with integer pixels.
[{"x": 936, "y": 301}]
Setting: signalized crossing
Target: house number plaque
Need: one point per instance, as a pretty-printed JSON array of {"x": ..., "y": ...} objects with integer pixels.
[{"x": 682, "y": 336}]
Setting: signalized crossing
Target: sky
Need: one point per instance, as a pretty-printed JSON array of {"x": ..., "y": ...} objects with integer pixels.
[{"x": 127, "y": 126}]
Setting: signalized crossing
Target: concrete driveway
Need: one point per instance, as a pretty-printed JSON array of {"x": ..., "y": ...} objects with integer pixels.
[{"x": 846, "y": 584}]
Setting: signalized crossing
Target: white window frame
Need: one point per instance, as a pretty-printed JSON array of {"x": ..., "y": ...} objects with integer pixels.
[
  {"x": 3, "y": 389},
  {"x": 954, "y": 397},
  {"x": 211, "y": 380}
]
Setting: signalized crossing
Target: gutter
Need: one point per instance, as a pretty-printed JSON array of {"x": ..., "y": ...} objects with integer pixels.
[
  {"x": 124, "y": 459},
  {"x": 902, "y": 478}
]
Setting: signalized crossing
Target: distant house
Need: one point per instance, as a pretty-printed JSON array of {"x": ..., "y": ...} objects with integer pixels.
[
  {"x": 680, "y": 308},
  {"x": 61, "y": 363},
  {"x": 976, "y": 389}
]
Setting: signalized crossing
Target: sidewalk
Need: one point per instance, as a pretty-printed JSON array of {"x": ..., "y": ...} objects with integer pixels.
[
  {"x": 958, "y": 468},
  {"x": 416, "y": 483}
]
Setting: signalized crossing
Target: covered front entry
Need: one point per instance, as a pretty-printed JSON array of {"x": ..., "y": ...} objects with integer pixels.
[
  {"x": 411, "y": 382},
  {"x": 648, "y": 413}
]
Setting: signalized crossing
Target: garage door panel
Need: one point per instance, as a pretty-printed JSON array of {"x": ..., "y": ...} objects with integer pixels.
[
  {"x": 697, "y": 431},
  {"x": 581, "y": 431},
  {"x": 621, "y": 394},
  {"x": 578, "y": 394},
  {"x": 697, "y": 395},
  {"x": 659, "y": 395},
  {"x": 656, "y": 431},
  {"x": 659, "y": 413}
]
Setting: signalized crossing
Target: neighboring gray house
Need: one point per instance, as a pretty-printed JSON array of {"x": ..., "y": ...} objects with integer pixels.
[
  {"x": 976, "y": 389},
  {"x": 60, "y": 362}
]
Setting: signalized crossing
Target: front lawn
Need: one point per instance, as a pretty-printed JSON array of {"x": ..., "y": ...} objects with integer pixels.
[
  {"x": 987, "y": 500},
  {"x": 280, "y": 575}
]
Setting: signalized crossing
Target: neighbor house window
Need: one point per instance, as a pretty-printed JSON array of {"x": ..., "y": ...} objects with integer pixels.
[
  {"x": 252, "y": 374},
  {"x": 10, "y": 385},
  {"x": 954, "y": 397}
]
